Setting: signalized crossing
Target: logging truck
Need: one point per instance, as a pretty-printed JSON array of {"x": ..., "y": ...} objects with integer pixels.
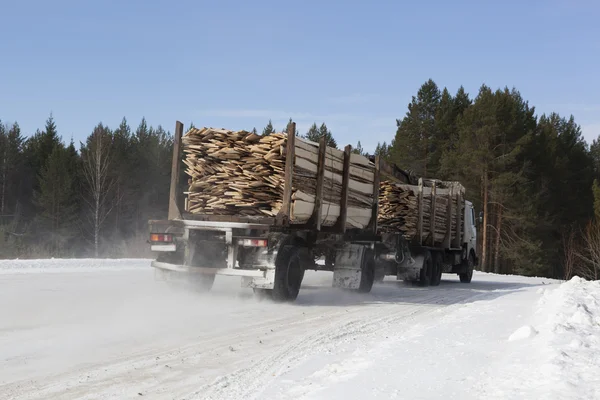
[{"x": 271, "y": 253}]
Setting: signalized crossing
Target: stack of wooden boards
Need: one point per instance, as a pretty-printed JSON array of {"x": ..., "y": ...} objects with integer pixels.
[
  {"x": 241, "y": 173},
  {"x": 399, "y": 209}
]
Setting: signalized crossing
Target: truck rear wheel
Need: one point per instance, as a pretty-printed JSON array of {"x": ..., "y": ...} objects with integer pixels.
[
  {"x": 437, "y": 269},
  {"x": 201, "y": 283},
  {"x": 288, "y": 275},
  {"x": 427, "y": 270},
  {"x": 367, "y": 272}
]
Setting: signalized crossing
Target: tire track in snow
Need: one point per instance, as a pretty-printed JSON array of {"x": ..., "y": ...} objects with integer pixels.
[
  {"x": 362, "y": 322},
  {"x": 200, "y": 367}
]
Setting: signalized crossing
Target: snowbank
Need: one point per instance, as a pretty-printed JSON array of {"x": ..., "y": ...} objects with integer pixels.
[
  {"x": 70, "y": 265},
  {"x": 564, "y": 347},
  {"x": 573, "y": 335}
]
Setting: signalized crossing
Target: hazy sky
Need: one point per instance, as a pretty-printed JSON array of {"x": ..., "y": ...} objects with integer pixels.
[{"x": 235, "y": 64}]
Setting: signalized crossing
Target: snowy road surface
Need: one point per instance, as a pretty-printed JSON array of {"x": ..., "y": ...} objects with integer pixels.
[{"x": 84, "y": 329}]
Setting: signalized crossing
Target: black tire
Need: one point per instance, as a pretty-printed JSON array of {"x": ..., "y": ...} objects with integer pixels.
[
  {"x": 437, "y": 269},
  {"x": 427, "y": 271},
  {"x": 201, "y": 283},
  {"x": 466, "y": 277},
  {"x": 288, "y": 275},
  {"x": 367, "y": 272},
  {"x": 263, "y": 294}
]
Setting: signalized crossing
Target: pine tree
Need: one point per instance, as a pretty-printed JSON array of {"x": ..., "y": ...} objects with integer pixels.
[
  {"x": 55, "y": 200},
  {"x": 40, "y": 146},
  {"x": 297, "y": 133},
  {"x": 595, "y": 155},
  {"x": 123, "y": 200},
  {"x": 358, "y": 149},
  {"x": 36, "y": 152},
  {"x": 596, "y": 193},
  {"x": 315, "y": 134},
  {"x": 268, "y": 129},
  {"x": 382, "y": 150},
  {"x": 3, "y": 168},
  {"x": 417, "y": 135},
  {"x": 489, "y": 159}
]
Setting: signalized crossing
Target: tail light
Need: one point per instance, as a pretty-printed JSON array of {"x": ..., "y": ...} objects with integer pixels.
[
  {"x": 253, "y": 242},
  {"x": 162, "y": 238}
]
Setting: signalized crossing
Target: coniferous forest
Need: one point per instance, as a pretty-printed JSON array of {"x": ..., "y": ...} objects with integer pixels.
[{"x": 532, "y": 177}]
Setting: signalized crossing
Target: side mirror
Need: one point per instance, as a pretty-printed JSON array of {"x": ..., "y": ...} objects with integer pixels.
[{"x": 480, "y": 217}]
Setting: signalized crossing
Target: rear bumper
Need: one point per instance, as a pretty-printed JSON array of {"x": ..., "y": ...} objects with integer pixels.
[{"x": 252, "y": 273}]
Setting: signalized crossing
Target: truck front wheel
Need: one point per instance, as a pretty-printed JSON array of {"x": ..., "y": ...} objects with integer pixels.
[
  {"x": 466, "y": 277},
  {"x": 437, "y": 269}
]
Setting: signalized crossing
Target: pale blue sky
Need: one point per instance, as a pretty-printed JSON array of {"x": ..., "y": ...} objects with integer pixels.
[{"x": 235, "y": 64}]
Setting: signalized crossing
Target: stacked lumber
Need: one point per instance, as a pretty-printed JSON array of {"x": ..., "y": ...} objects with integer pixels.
[
  {"x": 233, "y": 173},
  {"x": 241, "y": 173},
  {"x": 399, "y": 210}
]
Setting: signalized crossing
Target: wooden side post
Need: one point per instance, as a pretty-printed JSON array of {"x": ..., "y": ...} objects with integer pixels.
[
  {"x": 375, "y": 207},
  {"x": 448, "y": 239},
  {"x": 283, "y": 217},
  {"x": 340, "y": 225},
  {"x": 459, "y": 216},
  {"x": 316, "y": 216},
  {"x": 174, "y": 212},
  {"x": 420, "y": 212},
  {"x": 432, "y": 213}
]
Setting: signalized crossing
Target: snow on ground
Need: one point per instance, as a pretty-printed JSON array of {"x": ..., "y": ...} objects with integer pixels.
[{"x": 105, "y": 329}]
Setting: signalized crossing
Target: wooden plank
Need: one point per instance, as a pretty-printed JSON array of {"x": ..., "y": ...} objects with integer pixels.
[
  {"x": 341, "y": 223},
  {"x": 319, "y": 190},
  {"x": 283, "y": 216},
  {"x": 312, "y": 146},
  {"x": 360, "y": 159},
  {"x": 375, "y": 207},
  {"x": 333, "y": 163},
  {"x": 174, "y": 212}
]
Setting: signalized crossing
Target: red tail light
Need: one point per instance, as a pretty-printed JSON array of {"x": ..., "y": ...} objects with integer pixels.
[
  {"x": 160, "y": 237},
  {"x": 253, "y": 242}
]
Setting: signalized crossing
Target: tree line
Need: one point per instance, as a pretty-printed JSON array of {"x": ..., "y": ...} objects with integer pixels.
[
  {"x": 94, "y": 199},
  {"x": 533, "y": 178}
]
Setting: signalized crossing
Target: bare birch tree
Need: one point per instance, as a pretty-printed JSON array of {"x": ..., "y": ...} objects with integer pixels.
[
  {"x": 590, "y": 268},
  {"x": 569, "y": 252},
  {"x": 96, "y": 170}
]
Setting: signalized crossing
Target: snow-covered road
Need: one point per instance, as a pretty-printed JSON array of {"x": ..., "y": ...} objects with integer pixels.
[{"x": 106, "y": 330}]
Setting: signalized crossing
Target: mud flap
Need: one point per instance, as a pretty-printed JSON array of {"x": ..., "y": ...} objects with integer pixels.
[
  {"x": 260, "y": 283},
  {"x": 161, "y": 275},
  {"x": 410, "y": 269},
  {"x": 347, "y": 267}
]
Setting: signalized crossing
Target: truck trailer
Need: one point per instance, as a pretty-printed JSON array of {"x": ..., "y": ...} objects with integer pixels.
[{"x": 271, "y": 253}]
